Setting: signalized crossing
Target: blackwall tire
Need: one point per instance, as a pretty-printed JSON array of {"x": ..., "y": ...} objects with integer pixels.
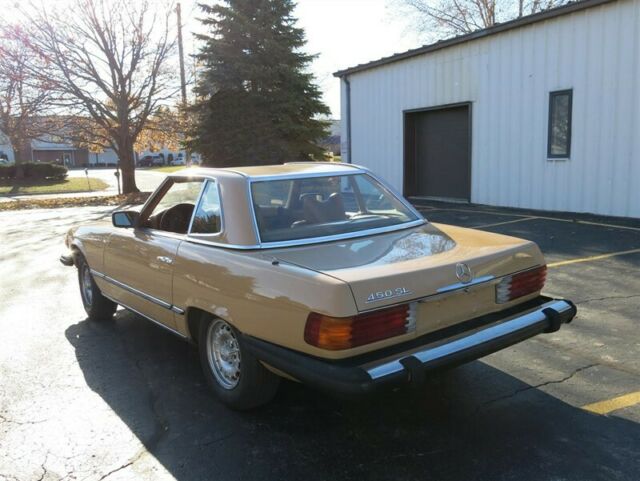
[{"x": 97, "y": 307}]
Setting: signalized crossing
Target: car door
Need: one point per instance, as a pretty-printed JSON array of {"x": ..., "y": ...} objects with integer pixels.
[{"x": 138, "y": 261}]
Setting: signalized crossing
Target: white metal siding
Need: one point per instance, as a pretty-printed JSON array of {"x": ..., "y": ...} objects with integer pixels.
[{"x": 508, "y": 77}]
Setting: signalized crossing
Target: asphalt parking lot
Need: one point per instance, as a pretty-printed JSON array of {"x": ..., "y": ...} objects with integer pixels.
[{"x": 126, "y": 400}]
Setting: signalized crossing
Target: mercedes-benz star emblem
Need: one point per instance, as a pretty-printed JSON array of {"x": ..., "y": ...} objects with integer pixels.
[{"x": 463, "y": 273}]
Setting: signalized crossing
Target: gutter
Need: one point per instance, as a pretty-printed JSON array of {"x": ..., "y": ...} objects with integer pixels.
[
  {"x": 348, "y": 100},
  {"x": 566, "y": 9}
]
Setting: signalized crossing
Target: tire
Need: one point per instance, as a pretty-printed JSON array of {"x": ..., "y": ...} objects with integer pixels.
[
  {"x": 237, "y": 378},
  {"x": 98, "y": 307}
]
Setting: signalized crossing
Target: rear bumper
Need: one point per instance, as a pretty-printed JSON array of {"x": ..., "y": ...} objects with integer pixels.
[{"x": 409, "y": 363}]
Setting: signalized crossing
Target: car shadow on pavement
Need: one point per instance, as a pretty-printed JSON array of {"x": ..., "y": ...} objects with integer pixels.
[{"x": 461, "y": 425}]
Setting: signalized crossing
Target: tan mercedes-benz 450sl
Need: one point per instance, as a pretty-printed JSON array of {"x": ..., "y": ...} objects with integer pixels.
[{"x": 315, "y": 272}]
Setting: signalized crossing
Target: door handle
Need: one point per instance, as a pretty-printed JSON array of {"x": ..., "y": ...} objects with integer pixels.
[{"x": 165, "y": 259}]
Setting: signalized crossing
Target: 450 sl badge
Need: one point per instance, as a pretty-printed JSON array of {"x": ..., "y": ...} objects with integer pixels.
[{"x": 388, "y": 294}]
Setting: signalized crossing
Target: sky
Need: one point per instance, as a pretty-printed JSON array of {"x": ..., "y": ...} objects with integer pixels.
[{"x": 343, "y": 33}]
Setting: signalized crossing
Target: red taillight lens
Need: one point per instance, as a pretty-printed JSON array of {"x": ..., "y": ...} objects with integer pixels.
[
  {"x": 336, "y": 333},
  {"x": 520, "y": 284}
]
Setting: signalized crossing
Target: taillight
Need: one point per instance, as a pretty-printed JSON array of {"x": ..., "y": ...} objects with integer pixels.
[
  {"x": 520, "y": 284},
  {"x": 336, "y": 333}
]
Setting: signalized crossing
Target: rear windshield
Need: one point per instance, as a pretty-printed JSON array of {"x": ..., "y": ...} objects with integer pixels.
[{"x": 303, "y": 208}]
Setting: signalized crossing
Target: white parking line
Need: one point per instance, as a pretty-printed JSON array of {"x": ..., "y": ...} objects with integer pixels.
[
  {"x": 503, "y": 223},
  {"x": 530, "y": 217}
]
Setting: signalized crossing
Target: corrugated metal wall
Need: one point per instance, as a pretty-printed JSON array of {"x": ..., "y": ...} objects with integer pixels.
[{"x": 508, "y": 77}]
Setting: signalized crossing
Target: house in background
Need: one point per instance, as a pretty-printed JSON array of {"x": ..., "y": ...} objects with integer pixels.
[
  {"x": 68, "y": 154},
  {"x": 63, "y": 153},
  {"x": 541, "y": 112}
]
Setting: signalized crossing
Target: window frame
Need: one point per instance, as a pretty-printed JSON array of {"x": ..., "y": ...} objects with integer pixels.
[
  {"x": 552, "y": 96},
  {"x": 155, "y": 198},
  {"x": 419, "y": 218},
  {"x": 205, "y": 184}
]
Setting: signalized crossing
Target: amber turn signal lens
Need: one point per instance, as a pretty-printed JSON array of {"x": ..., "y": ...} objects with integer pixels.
[
  {"x": 336, "y": 333},
  {"x": 520, "y": 284}
]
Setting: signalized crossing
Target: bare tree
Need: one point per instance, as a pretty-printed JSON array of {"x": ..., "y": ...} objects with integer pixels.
[
  {"x": 442, "y": 18},
  {"x": 110, "y": 61},
  {"x": 25, "y": 100}
]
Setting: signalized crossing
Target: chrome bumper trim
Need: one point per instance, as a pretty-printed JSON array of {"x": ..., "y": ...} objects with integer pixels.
[
  {"x": 461, "y": 344},
  {"x": 462, "y": 285}
]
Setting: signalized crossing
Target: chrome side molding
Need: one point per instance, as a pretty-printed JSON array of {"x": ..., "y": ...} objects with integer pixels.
[{"x": 137, "y": 292}]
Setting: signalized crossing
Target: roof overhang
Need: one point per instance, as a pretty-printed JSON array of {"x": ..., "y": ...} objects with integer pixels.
[{"x": 499, "y": 28}]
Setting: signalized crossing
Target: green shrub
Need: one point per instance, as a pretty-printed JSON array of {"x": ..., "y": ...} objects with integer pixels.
[
  {"x": 35, "y": 171},
  {"x": 7, "y": 171}
]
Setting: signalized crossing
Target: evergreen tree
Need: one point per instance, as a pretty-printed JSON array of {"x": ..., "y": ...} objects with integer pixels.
[{"x": 257, "y": 102}]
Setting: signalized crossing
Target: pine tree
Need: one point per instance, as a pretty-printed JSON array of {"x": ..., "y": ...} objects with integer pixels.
[{"x": 257, "y": 102}]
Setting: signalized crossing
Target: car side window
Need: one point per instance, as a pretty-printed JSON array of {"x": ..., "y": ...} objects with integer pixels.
[
  {"x": 208, "y": 217},
  {"x": 173, "y": 211}
]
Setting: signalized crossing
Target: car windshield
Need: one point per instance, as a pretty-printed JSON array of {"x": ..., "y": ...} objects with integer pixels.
[{"x": 302, "y": 208}]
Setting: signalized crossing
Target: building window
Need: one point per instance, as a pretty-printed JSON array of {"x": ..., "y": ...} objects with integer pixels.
[{"x": 559, "y": 136}]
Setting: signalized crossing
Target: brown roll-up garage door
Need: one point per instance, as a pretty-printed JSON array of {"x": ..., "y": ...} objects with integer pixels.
[{"x": 437, "y": 153}]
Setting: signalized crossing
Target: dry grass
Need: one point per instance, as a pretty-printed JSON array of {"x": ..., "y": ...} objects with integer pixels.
[
  {"x": 114, "y": 200},
  {"x": 74, "y": 184}
]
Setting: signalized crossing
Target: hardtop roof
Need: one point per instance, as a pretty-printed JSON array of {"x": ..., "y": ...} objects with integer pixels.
[{"x": 260, "y": 171}]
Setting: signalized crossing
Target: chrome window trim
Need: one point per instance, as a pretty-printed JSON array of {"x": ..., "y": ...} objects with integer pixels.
[
  {"x": 345, "y": 236},
  {"x": 396, "y": 194},
  {"x": 353, "y": 170},
  {"x": 155, "y": 193},
  {"x": 196, "y": 240},
  {"x": 199, "y": 200},
  {"x": 197, "y": 203},
  {"x": 420, "y": 220}
]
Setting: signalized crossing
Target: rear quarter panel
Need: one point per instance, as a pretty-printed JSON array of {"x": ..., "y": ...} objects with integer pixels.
[{"x": 264, "y": 300}]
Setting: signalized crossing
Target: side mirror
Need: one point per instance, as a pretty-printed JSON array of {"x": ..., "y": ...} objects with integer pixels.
[{"x": 125, "y": 218}]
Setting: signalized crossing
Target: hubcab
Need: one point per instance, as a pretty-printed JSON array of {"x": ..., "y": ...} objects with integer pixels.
[{"x": 223, "y": 353}]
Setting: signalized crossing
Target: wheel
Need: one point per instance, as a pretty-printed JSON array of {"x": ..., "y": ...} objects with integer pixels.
[
  {"x": 97, "y": 306},
  {"x": 237, "y": 378}
]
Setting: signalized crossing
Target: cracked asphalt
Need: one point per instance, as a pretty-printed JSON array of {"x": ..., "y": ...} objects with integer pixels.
[{"x": 125, "y": 400}]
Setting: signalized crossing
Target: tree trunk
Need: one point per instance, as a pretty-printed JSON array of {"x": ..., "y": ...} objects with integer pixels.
[
  {"x": 21, "y": 154},
  {"x": 127, "y": 166}
]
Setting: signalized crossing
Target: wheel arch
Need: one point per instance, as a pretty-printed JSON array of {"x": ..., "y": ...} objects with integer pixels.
[
  {"x": 194, "y": 315},
  {"x": 77, "y": 249}
]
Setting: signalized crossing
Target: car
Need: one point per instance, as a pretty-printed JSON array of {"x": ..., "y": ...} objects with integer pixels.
[
  {"x": 314, "y": 272},
  {"x": 5, "y": 162},
  {"x": 151, "y": 161},
  {"x": 177, "y": 161}
]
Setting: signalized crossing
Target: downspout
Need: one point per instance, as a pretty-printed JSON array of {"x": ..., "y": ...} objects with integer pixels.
[{"x": 348, "y": 100}]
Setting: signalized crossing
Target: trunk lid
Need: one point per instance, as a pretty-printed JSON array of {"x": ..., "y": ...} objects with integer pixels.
[{"x": 420, "y": 264}]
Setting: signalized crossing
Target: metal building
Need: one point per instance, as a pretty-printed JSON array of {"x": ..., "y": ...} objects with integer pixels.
[{"x": 542, "y": 112}]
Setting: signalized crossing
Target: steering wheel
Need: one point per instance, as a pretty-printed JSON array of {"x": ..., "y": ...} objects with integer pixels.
[{"x": 176, "y": 218}]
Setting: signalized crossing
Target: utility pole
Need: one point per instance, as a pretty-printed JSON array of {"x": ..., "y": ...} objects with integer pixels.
[{"x": 183, "y": 81}]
